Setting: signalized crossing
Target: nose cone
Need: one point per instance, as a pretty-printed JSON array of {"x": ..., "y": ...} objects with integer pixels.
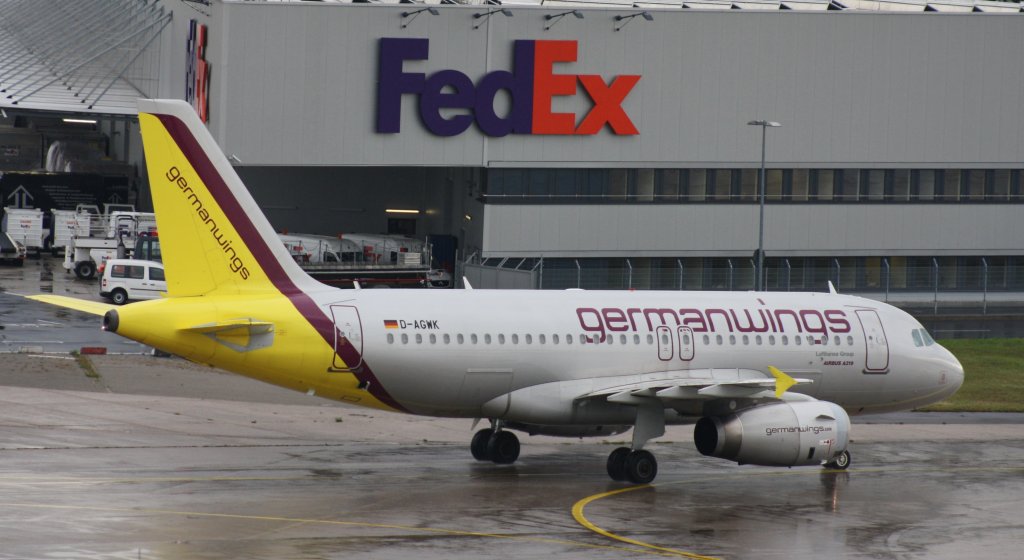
[{"x": 953, "y": 371}]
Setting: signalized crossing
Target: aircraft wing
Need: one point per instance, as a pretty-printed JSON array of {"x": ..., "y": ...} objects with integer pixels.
[
  {"x": 93, "y": 307},
  {"x": 700, "y": 385}
]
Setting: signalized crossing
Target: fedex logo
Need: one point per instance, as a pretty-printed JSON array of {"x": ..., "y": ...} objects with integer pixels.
[{"x": 532, "y": 84}]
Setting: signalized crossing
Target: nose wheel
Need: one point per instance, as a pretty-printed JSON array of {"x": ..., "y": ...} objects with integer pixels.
[
  {"x": 839, "y": 462},
  {"x": 637, "y": 466}
]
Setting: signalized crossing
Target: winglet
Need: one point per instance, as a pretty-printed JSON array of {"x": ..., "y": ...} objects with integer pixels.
[
  {"x": 782, "y": 381},
  {"x": 466, "y": 284},
  {"x": 832, "y": 288}
]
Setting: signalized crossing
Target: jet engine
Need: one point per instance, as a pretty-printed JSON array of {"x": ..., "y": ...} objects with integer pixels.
[{"x": 780, "y": 434}]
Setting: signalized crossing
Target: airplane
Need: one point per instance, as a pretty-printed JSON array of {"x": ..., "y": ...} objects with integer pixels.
[{"x": 766, "y": 378}]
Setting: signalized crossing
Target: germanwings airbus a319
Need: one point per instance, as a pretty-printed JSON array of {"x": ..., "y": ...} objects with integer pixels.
[{"x": 767, "y": 378}]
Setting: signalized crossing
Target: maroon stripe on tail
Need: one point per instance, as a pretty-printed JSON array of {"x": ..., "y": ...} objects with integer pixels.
[{"x": 251, "y": 237}]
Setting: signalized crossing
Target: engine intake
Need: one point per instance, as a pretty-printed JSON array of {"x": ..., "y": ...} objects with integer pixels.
[{"x": 779, "y": 434}]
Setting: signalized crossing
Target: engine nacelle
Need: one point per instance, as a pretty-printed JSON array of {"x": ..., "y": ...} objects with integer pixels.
[{"x": 779, "y": 435}]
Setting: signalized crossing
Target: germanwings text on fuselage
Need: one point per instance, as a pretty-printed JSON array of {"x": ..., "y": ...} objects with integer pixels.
[{"x": 614, "y": 319}]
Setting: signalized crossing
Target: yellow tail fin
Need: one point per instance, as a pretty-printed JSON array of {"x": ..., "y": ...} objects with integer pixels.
[{"x": 213, "y": 236}]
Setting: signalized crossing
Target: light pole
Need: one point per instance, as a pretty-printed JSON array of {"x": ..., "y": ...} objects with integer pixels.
[{"x": 759, "y": 283}]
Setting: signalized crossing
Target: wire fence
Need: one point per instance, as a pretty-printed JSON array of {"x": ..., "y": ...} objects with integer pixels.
[{"x": 930, "y": 283}]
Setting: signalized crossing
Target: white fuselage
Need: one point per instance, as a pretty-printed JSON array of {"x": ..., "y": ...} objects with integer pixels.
[{"x": 449, "y": 353}]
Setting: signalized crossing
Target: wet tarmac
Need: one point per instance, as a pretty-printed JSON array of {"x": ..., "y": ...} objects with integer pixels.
[
  {"x": 26, "y": 326},
  {"x": 137, "y": 457}
]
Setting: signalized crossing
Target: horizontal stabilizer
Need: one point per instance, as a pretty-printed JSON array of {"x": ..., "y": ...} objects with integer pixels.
[
  {"x": 93, "y": 307},
  {"x": 240, "y": 335}
]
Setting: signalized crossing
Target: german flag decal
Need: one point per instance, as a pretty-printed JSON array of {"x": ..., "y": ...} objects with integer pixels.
[{"x": 389, "y": 324}]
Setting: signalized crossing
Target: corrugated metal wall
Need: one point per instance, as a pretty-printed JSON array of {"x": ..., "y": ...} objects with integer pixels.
[
  {"x": 730, "y": 230},
  {"x": 295, "y": 85}
]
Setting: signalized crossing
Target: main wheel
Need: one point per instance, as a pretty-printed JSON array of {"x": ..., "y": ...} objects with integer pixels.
[
  {"x": 617, "y": 463},
  {"x": 839, "y": 462},
  {"x": 641, "y": 467},
  {"x": 479, "y": 444},
  {"x": 85, "y": 270},
  {"x": 119, "y": 297},
  {"x": 503, "y": 448}
]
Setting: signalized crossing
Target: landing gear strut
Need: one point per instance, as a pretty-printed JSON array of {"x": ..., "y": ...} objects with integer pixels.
[{"x": 495, "y": 444}]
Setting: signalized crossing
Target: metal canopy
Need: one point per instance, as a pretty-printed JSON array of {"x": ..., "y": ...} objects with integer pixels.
[{"x": 87, "y": 56}]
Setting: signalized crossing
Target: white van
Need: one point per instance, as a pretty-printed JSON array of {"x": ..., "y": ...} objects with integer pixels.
[{"x": 127, "y": 279}]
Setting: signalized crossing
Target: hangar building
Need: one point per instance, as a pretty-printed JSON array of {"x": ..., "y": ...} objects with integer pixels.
[{"x": 607, "y": 144}]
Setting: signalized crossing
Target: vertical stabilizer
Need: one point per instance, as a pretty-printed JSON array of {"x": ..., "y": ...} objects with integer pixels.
[{"x": 213, "y": 236}]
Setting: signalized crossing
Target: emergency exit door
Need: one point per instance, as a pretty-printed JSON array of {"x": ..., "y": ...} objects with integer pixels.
[{"x": 348, "y": 338}]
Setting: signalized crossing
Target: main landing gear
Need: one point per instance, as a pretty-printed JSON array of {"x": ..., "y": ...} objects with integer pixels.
[
  {"x": 637, "y": 466},
  {"x": 495, "y": 444}
]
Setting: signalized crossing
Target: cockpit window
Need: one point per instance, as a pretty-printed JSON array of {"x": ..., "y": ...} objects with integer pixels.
[{"x": 922, "y": 338}]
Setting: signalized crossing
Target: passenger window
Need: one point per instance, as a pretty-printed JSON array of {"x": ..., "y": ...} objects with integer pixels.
[
  {"x": 686, "y": 339},
  {"x": 622, "y": 339},
  {"x": 568, "y": 339},
  {"x": 650, "y": 339},
  {"x": 718, "y": 339},
  {"x": 610, "y": 339},
  {"x": 636, "y": 339},
  {"x": 136, "y": 272},
  {"x": 391, "y": 338},
  {"x": 501, "y": 339},
  {"x": 447, "y": 339},
  {"x": 849, "y": 340},
  {"x": 664, "y": 340},
  {"x": 810, "y": 340},
  {"x": 785, "y": 340},
  {"x": 529, "y": 339},
  {"x": 156, "y": 274},
  {"x": 540, "y": 338},
  {"x": 771, "y": 339},
  {"x": 459, "y": 338},
  {"x": 515, "y": 339},
  {"x": 473, "y": 338},
  {"x": 405, "y": 338},
  {"x": 487, "y": 339},
  {"x": 836, "y": 340},
  {"x": 707, "y": 340},
  {"x": 746, "y": 340},
  {"x": 554, "y": 339},
  {"x": 583, "y": 339},
  {"x": 419, "y": 339},
  {"x": 433, "y": 339},
  {"x": 796, "y": 340},
  {"x": 732, "y": 339}
]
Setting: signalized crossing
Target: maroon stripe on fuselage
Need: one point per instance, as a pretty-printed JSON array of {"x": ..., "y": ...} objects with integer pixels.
[{"x": 257, "y": 245}]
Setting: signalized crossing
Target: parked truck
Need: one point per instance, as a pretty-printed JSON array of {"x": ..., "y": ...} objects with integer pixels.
[
  {"x": 25, "y": 225},
  {"x": 99, "y": 237}
]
